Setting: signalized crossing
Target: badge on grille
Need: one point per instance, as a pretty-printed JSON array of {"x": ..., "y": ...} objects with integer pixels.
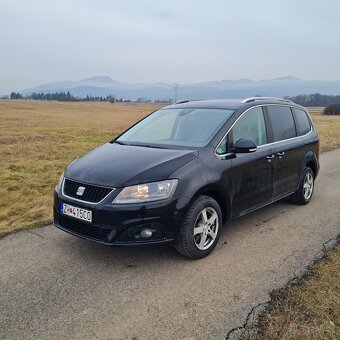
[{"x": 80, "y": 191}]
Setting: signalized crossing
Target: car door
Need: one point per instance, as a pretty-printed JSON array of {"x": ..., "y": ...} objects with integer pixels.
[
  {"x": 288, "y": 150},
  {"x": 250, "y": 175}
]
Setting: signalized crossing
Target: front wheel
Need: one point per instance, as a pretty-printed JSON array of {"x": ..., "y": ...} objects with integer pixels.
[
  {"x": 200, "y": 228},
  {"x": 306, "y": 187}
]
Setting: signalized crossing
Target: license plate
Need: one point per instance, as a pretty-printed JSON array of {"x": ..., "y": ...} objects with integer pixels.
[{"x": 76, "y": 212}]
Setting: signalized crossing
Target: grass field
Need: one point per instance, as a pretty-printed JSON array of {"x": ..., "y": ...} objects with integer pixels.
[
  {"x": 309, "y": 310},
  {"x": 37, "y": 141},
  {"x": 39, "y": 138}
]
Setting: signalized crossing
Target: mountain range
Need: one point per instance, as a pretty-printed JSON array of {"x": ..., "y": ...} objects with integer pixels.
[{"x": 104, "y": 86}]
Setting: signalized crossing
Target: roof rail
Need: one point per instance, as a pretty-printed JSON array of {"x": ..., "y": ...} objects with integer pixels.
[
  {"x": 181, "y": 102},
  {"x": 253, "y": 99}
]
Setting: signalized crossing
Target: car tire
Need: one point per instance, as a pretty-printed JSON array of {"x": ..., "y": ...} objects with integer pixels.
[
  {"x": 200, "y": 228},
  {"x": 306, "y": 187}
]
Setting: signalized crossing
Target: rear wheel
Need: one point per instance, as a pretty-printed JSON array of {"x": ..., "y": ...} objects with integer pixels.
[
  {"x": 200, "y": 229},
  {"x": 306, "y": 187}
]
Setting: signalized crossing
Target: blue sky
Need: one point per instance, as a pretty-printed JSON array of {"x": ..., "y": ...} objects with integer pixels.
[{"x": 167, "y": 41}]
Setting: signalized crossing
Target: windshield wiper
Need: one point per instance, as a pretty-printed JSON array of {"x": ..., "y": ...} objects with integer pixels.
[
  {"x": 118, "y": 142},
  {"x": 148, "y": 146}
]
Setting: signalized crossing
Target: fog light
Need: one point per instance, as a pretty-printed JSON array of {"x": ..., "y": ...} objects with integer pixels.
[{"x": 146, "y": 233}]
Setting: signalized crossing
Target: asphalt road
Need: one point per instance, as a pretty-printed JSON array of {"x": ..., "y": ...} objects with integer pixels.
[{"x": 56, "y": 286}]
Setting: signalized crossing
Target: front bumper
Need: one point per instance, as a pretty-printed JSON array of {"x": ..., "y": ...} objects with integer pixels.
[{"x": 121, "y": 224}]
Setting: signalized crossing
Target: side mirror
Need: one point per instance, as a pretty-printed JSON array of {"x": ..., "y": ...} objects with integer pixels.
[{"x": 244, "y": 145}]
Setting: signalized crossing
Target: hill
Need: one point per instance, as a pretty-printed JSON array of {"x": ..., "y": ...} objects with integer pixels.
[{"x": 104, "y": 85}]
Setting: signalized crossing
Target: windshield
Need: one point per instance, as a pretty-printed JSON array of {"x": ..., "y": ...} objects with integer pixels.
[{"x": 177, "y": 127}]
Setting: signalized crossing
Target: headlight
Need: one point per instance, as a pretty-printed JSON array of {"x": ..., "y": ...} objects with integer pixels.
[
  {"x": 57, "y": 188},
  {"x": 147, "y": 192}
]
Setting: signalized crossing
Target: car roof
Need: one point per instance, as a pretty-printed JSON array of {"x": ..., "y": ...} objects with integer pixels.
[{"x": 233, "y": 104}]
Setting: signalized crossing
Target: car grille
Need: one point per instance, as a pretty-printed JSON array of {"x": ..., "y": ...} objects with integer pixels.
[
  {"x": 92, "y": 193},
  {"x": 84, "y": 229}
]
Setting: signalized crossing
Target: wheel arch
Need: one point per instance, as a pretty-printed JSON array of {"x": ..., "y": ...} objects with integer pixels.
[
  {"x": 310, "y": 160},
  {"x": 219, "y": 197},
  {"x": 312, "y": 165}
]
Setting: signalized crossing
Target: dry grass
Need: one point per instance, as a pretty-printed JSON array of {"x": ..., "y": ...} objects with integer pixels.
[
  {"x": 39, "y": 138},
  {"x": 309, "y": 310},
  {"x": 328, "y": 128},
  {"x": 315, "y": 110},
  {"x": 329, "y": 131}
]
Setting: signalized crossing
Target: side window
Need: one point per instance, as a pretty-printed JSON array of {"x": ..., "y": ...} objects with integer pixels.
[
  {"x": 222, "y": 148},
  {"x": 282, "y": 122},
  {"x": 302, "y": 121},
  {"x": 251, "y": 125}
]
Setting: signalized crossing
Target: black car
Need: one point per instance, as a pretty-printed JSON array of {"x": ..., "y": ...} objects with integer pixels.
[{"x": 180, "y": 173}]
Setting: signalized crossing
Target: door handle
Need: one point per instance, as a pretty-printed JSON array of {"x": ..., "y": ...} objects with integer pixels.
[
  {"x": 280, "y": 153},
  {"x": 270, "y": 157}
]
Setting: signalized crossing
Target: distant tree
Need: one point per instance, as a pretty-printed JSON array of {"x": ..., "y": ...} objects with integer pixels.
[
  {"x": 110, "y": 98},
  {"x": 333, "y": 109},
  {"x": 315, "y": 99},
  {"x": 16, "y": 95}
]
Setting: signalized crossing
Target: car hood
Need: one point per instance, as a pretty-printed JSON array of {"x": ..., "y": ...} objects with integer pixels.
[{"x": 116, "y": 165}]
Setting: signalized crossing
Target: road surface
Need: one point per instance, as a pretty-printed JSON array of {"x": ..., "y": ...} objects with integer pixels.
[{"x": 56, "y": 286}]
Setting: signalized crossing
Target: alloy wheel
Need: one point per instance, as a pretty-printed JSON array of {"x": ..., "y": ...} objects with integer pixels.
[
  {"x": 308, "y": 185},
  {"x": 206, "y": 228}
]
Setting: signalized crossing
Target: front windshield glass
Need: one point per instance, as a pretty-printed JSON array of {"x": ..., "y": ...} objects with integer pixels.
[{"x": 177, "y": 127}]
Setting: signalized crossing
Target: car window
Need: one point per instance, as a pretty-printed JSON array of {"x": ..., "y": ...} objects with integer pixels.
[
  {"x": 157, "y": 128},
  {"x": 282, "y": 122},
  {"x": 302, "y": 121},
  {"x": 251, "y": 125},
  {"x": 222, "y": 147},
  {"x": 192, "y": 127}
]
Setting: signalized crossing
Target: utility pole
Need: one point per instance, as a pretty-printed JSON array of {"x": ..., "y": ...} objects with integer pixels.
[{"x": 176, "y": 88}]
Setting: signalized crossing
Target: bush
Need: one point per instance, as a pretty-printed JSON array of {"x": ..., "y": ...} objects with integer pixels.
[{"x": 333, "y": 109}]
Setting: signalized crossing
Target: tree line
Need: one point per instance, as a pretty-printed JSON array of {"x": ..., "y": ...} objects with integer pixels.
[
  {"x": 62, "y": 96},
  {"x": 315, "y": 99},
  {"x": 68, "y": 97}
]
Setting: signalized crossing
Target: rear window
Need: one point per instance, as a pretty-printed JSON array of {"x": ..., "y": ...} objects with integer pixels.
[
  {"x": 302, "y": 121},
  {"x": 282, "y": 122}
]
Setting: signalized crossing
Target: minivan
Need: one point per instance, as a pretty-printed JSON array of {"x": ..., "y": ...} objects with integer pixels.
[{"x": 182, "y": 172}]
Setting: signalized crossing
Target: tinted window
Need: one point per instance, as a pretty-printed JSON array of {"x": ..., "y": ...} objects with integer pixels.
[
  {"x": 282, "y": 122},
  {"x": 302, "y": 121},
  {"x": 251, "y": 125}
]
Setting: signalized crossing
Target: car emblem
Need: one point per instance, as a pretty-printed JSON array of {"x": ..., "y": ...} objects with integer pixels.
[{"x": 80, "y": 191}]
